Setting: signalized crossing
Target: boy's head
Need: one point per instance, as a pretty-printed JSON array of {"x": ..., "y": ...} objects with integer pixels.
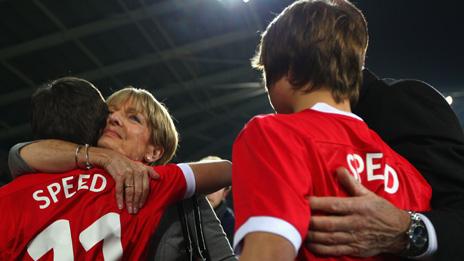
[
  {"x": 315, "y": 44},
  {"x": 70, "y": 109}
]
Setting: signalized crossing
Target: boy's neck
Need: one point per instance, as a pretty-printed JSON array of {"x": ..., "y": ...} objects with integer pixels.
[{"x": 304, "y": 101}]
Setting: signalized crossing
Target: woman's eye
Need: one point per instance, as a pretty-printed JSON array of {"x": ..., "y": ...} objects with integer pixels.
[{"x": 135, "y": 118}]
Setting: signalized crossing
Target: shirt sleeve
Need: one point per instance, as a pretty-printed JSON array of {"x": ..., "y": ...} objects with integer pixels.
[
  {"x": 271, "y": 180},
  {"x": 176, "y": 182},
  {"x": 16, "y": 163},
  {"x": 432, "y": 236},
  {"x": 189, "y": 179}
]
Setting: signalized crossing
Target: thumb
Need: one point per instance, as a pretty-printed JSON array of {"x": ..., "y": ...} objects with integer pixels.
[{"x": 351, "y": 185}]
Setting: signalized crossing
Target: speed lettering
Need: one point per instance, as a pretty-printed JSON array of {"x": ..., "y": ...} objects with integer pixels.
[{"x": 45, "y": 197}]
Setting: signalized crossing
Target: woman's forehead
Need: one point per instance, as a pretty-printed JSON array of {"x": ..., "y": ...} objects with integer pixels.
[{"x": 128, "y": 103}]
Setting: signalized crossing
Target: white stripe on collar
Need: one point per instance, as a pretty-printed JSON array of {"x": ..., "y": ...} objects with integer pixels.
[{"x": 324, "y": 107}]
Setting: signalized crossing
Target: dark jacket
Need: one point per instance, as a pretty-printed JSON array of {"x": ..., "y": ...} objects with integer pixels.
[
  {"x": 227, "y": 218},
  {"x": 417, "y": 122},
  {"x": 168, "y": 243}
]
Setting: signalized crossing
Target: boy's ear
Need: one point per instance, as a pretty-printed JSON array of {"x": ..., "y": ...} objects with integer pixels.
[
  {"x": 308, "y": 87},
  {"x": 289, "y": 78}
]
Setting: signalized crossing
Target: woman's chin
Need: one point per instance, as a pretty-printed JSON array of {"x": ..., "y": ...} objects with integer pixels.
[{"x": 106, "y": 142}]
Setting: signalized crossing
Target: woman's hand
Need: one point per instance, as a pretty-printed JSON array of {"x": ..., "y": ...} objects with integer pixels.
[{"x": 131, "y": 179}]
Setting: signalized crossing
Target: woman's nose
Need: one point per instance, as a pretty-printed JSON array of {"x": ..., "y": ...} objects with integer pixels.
[{"x": 114, "y": 118}]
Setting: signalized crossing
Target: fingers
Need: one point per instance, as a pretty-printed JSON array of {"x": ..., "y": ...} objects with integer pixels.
[
  {"x": 334, "y": 223},
  {"x": 138, "y": 191},
  {"x": 145, "y": 190},
  {"x": 132, "y": 183},
  {"x": 141, "y": 187},
  {"x": 119, "y": 187},
  {"x": 330, "y": 243},
  {"x": 129, "y": 192},
  {"x": 333, "y": 238},
  {"x": 333, "y": 250},
  {"x": 351, "y": 185},
  {"x": 332, "y": 205}
]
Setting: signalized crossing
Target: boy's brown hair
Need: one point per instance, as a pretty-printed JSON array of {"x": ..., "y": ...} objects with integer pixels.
[{"x": 317, "y": 42}]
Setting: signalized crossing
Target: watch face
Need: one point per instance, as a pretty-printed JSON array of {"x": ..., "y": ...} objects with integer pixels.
[{"x": 419, "y": 236}]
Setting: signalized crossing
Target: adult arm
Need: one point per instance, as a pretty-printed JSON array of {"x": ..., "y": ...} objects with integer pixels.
[
  {"x": 56, "y": 156},
  {"x": 435, "y": 146},
  {"x": 16, "y": 163},
  {"x": 361, "y": 226}
]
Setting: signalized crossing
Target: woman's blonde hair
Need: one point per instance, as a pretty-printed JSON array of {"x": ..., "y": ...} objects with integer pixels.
[{"x": 162, "y": 129}]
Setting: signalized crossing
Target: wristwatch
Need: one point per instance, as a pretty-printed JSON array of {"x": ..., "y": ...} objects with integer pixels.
[{"x": 418, "y": 238}]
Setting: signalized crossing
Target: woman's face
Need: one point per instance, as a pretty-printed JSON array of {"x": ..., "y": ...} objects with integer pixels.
[{"x": 127, "y": 132}]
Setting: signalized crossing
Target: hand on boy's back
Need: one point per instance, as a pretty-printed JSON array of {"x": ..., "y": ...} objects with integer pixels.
[
  {"x": 131, "y": 181},
  {"x": 362, "y": 225}
]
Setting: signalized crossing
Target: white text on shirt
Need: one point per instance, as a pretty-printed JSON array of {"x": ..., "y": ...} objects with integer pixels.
[
  {"x": 97, "y": 184},
  {"x": 372, "y": 164}
]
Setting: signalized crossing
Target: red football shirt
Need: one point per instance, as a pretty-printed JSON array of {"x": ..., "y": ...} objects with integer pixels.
[
  {"x": 280, "y": 159},
  {"x": 74, "y": 215}
]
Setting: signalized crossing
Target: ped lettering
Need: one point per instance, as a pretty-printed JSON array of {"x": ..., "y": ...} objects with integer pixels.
[{"x": 372, "y": 164}]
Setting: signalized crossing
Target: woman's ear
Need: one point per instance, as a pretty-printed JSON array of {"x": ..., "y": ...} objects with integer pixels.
[{"x": 153, "y": 154}]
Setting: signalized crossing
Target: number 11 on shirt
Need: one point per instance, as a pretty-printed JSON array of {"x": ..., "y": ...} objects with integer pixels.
[{"x": 57, "y": 237}]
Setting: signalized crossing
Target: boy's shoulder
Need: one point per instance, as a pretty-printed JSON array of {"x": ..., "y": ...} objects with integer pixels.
[
  {"x": 289, "y": 121},
  {"x": 271, "y": 126},
  {"x": 267, "y": 121}
]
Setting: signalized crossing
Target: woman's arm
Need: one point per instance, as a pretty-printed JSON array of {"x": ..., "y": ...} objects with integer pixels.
[
  {"x": 16, "y": 164},
  {"x": 56, "y": 156}
]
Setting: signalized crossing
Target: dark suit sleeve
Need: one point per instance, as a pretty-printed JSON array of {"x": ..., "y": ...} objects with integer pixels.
[{"x": 417, "y": 122}]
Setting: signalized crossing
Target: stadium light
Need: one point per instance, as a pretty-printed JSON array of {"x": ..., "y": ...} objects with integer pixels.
[{"x": 449, "y": 99}]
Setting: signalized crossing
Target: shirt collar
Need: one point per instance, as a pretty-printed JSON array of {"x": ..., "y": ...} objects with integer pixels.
[{"x": 324, "y": 107}]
